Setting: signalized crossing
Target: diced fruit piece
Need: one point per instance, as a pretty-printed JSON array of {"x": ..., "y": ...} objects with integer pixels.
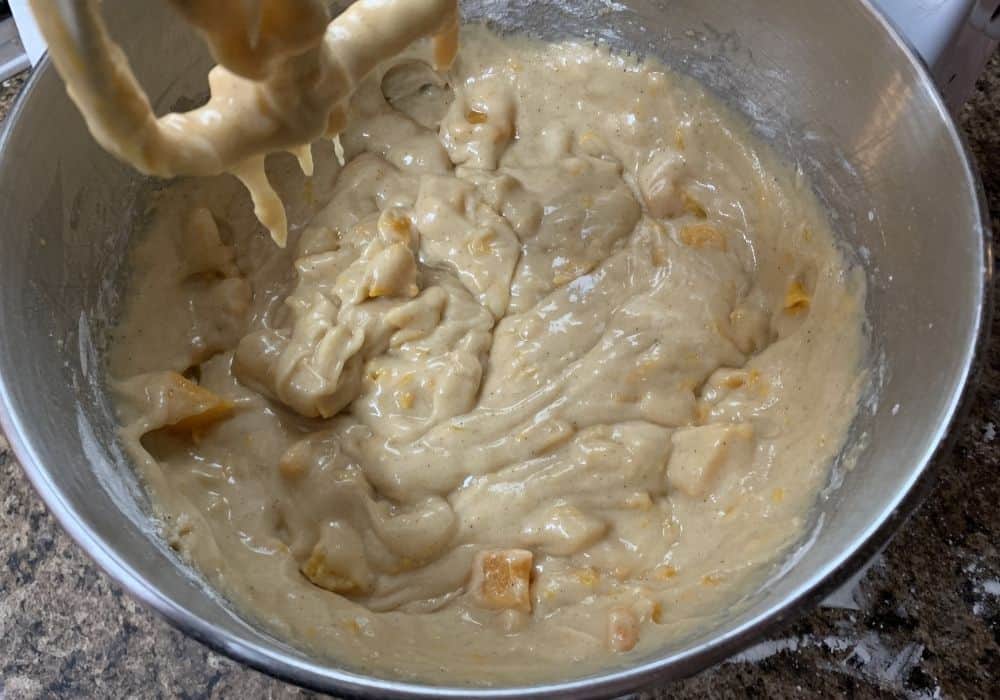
[
  {"x": 173, "y": 402},
  {"x": 623, "y": 629},
  {"x": 201, "y": 247},
  {"x": 337, "y": 562},
  {"x": 474, "y": 116},
  {"x": 562, "y": 530},
  {"x": 481, "y": 243},
  {"x": 501, "y": 579},
  {"x": 693, "y": 207},
  {"x": 703, "y": 236},
  {"x": 406, "y": 400},
  {"x": 797, "y": 298},
  {"x": 656, "y": 613},
  {"x": 665, "y": 572},
  {"x": 395, "y": 226},
  {"x": 393, "y": 273},
  {"x": 300, "y": 458},
  {"x": 703, "y": 455},
  {"x": 216, "y": 411}
]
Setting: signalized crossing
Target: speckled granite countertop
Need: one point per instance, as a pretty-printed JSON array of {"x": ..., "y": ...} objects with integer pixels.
[{"x": 923, "y": 622}]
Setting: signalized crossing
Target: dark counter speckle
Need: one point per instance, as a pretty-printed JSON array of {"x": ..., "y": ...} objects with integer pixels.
[{"x": 923, "y": 622}]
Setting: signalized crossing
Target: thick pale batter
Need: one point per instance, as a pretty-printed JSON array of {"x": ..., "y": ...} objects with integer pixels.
[{"x": 549, "y": 374}]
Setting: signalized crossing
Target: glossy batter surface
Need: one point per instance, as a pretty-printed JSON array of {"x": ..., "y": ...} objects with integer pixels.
[{"x": 550, "y": 374}]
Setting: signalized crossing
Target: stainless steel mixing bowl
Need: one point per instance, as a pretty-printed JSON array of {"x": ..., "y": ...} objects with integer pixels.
[{"x": 827, "y": 83}]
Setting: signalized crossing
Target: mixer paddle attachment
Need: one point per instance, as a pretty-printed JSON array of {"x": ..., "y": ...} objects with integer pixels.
[{"x": 285, "y": 74}]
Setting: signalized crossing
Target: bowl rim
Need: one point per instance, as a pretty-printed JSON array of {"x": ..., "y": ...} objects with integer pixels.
[{"x": 602, "y": 684}]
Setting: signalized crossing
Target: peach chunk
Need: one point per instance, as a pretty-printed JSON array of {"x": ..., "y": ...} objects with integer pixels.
[
  {"x": 180, "y": 405},
  {"x": 501, "y": 579},
  {"x": 623, "y": 629},
  {"x": 703, "y": 455}
]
